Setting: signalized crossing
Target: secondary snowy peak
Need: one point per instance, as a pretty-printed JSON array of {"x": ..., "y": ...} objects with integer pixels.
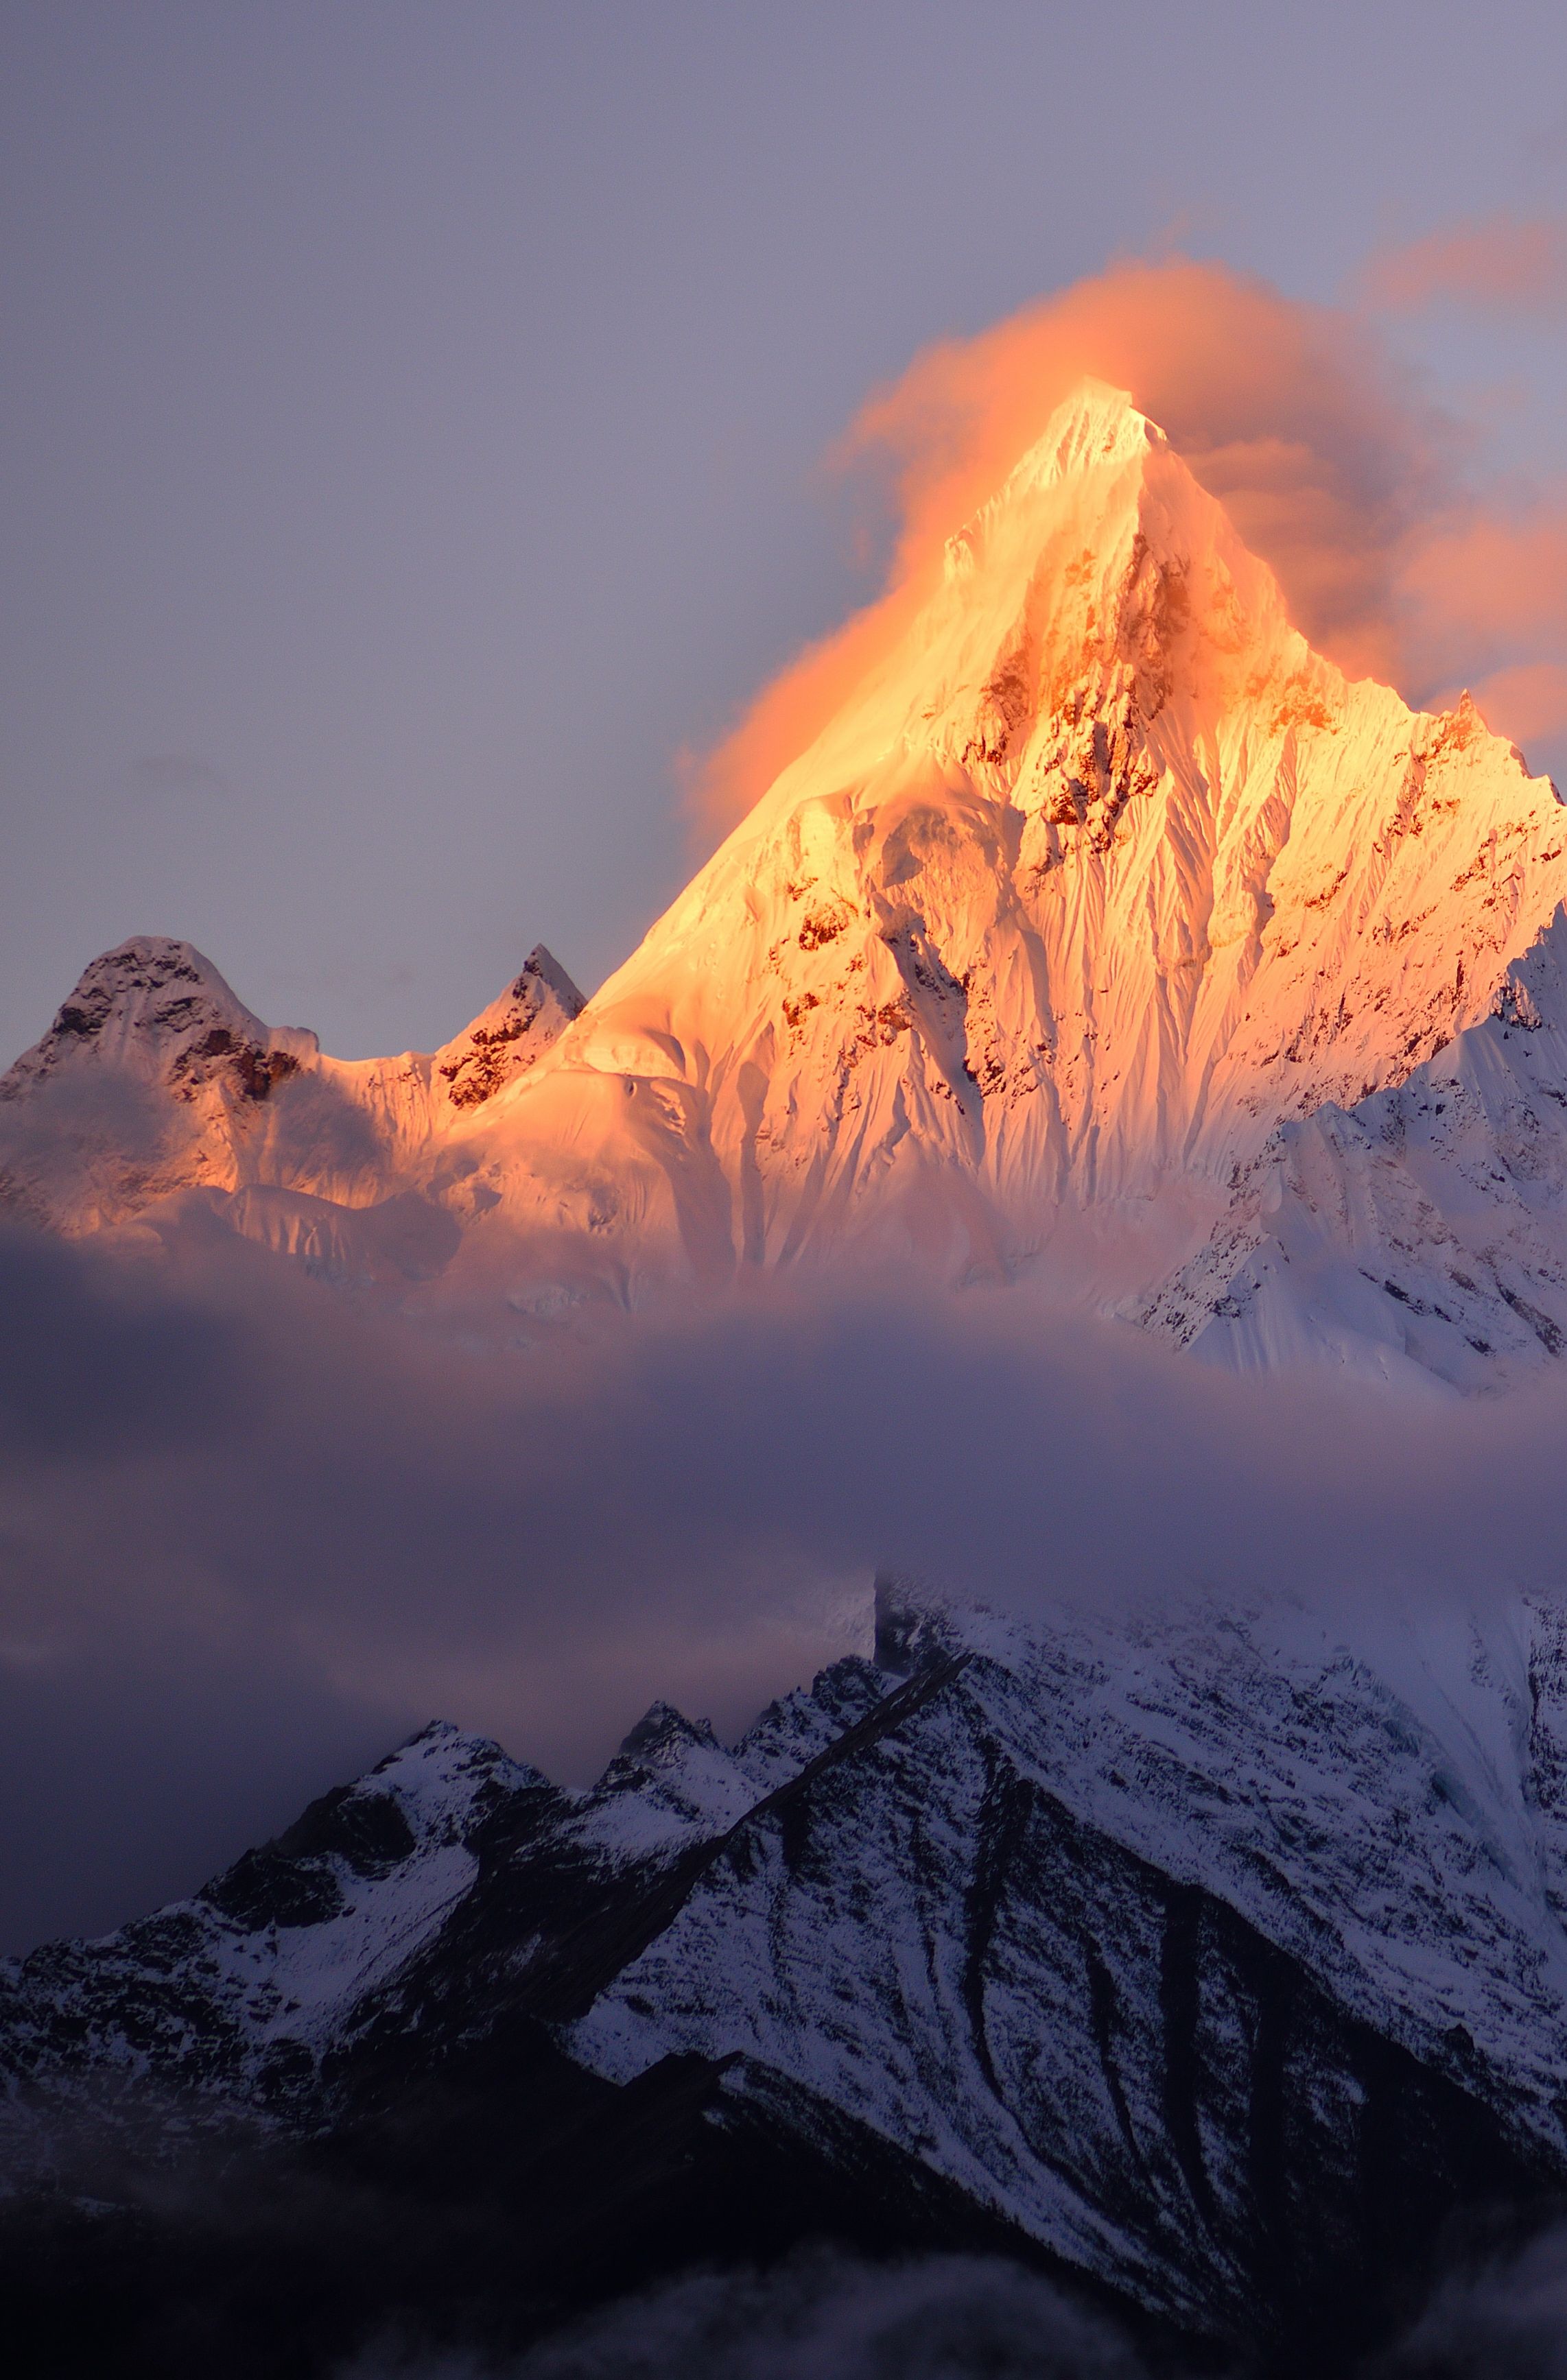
[
  {"x": 509, "y": 1036},
  {"x": 158, "y": 1009},
  {"x": 155, "y": 1080},
  {"x": 150, "y": 1076},
  {"x": 284, "y": 1944}
]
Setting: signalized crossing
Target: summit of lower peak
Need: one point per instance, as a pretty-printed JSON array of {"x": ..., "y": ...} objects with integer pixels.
[
  {"x": 508, "y": 1038},
  {"x": 156, "y": 1003},
  {"x": 154, "y": 977}
]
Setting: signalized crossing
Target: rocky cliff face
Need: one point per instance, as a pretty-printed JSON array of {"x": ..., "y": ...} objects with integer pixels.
[
  {"x": 1108, "y": 934},
  {"x": 1211, "y": 1963}
]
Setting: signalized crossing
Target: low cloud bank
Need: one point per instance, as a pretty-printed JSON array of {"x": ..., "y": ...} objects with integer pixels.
[
  {"x": 253, "y": 1535},
  {"x": 830, "y": 2317},
  {"x": 820, "y": 2318},
  {"x": 1504, "y": 2319}
]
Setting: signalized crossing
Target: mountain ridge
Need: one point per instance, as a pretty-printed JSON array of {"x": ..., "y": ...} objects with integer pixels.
[
  {"x": 1099, "y": 888},
  {"x": 1213, "y": 1960}
]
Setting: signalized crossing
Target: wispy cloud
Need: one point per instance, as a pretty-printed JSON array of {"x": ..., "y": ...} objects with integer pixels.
[
  {"x": 831, "y": 2317},
  {"x": 1334, "y": 464},
  {"x": 1504, "y": 264},
  {"x": 819, "y": 2317}
]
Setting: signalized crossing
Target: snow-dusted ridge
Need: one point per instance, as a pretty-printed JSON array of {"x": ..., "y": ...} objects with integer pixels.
[
  {"x": 155, "y": 1083},
  {"x": 1422, "y": 1227},
  {"x": 1172, "y": 1943},
  {"x": 1107, "y": 934}
]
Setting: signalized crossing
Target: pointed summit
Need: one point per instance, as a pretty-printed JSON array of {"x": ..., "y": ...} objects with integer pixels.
[
  {"x": 510, "y": 1036},
  {"x": 1097, "y": 877},
  {"x": 1095, "y": 427},
  {"x": 1100, "y": 572}
]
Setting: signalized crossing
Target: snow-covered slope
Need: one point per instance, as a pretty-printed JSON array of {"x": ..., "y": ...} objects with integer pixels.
[
  {"x": 979, "y": 1944},
  {"x": 1100, "y": 876},
  {"x": 1213, "y": 1956},
  {"x": 1103, "y": 928},
  {"x": 1425, "y": 1227}
]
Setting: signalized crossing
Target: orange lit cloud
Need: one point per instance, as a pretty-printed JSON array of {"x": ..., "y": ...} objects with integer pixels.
[
  {"x": 1482, "y": 584},
  {"x": 1504, "y": 264},
  {"x": 1484, "y": 594},
  {"x": 1331, "y": 465},
  {"x": 1528, "y": 702}
]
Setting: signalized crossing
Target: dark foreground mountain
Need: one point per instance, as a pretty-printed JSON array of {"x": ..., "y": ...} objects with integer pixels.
[{"x": 1212, "y": 1965}]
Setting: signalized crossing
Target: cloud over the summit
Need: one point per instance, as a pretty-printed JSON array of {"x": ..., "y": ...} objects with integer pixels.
[{"x": 1333, "y": 462}]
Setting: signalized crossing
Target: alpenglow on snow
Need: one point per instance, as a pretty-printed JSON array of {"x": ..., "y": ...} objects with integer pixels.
[{"x": 1107, "y": 936}]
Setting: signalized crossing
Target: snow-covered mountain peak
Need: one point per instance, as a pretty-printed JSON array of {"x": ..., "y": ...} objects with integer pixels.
[
  {"x": 1097, "y": 439},
  {"x": 441, "y": 1768},
  {"x": 1194, "y": 1944},
  {"x": 664, "y": 1734},
  {"x": 1097, "y": 878},
  {"x": 155, "y": 1080},
  {"x": 158, "y": 1009},
  {"x": 1100, "y": 553},
  {"x": 150, "y": 1075},
  {"x": 510, "y": 1036},
  {"x": 1097, "y": 882},
  {"x": 1096, "y": 425}
]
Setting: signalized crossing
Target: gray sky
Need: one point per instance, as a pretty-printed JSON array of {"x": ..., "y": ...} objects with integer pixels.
[{"x": 411, "y": 415}]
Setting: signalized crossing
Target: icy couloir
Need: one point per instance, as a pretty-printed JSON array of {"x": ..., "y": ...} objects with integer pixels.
[
  {"x": 1214, "y": 1959},
  {"x": 1107, "y": 933}
]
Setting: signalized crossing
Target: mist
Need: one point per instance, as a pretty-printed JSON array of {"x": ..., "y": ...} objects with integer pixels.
[
  {"x": 823, "y": 2316},
  {"x": 255, "y": 1533},
  {"x": 819, "y": 2317}
]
